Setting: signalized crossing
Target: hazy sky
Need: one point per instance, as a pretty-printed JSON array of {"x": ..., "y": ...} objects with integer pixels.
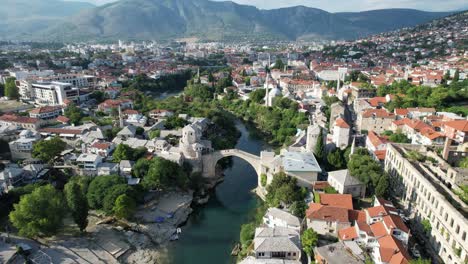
[{"x": 349, "y": 5}]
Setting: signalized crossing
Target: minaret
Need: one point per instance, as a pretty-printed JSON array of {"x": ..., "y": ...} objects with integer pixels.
[{"x": 121, "y": 121}]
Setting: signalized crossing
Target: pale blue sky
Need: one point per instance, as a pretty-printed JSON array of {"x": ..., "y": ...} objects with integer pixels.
[{"x": 349, "y": 5}]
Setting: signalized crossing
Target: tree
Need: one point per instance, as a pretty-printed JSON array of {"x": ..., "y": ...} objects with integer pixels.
[
  {"x": 47, "y": 150},
  {"x": 298, "y": 208},
  {"x": 11, "y": 91},
  {"x": 140, "y": 168},
  {"x": 154, "y": 134},
  {"x": 456, "y": 76},
  {"x": 399, "y": 138},
  {"x": 427, "y": 227},
  {"x": 74, "y": 114},
  {"x": 309, "y": 240},
  {"x": 283, "y": 190},
  {"x": 382, "y": 186},
  {"x": 124, "y": 206},
  {"x": 39, "y": 213},
  {"x": 99, "y": 187},
  {"x": 279, "y": 64},
  {"x": 77, "y": 204},
  {"x": 258, "y": 95},
  {"x": 319, "y": 150},
  {"x": 464, "y": 163},
  {"x": 163, "y": 173},
  {"x": 112, "y": 194},
  {"x": 336, "y": 159}
]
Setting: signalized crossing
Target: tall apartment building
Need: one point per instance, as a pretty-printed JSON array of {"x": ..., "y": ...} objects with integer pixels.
[
  {"x": 422, "y": 186},
  {"x": 54, "y": 93}
]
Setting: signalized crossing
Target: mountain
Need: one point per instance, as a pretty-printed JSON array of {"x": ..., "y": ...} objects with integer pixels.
[
  {"x": 26, "y": 16},
  {"x": 164, "y": 19}
]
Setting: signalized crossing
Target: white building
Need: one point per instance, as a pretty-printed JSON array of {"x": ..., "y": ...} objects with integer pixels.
[
  {"x": 344, "y": 183},
  {"x": 54, "y": 93},
  {"x": 275, "y": 217},
  {"x": 22, "y": 147},
  {"x": 427, "y": 198},
  {"x": 89, "y": 161},
  {"x": 277, "y": 242},
  {"x": 341, "y": 131}
]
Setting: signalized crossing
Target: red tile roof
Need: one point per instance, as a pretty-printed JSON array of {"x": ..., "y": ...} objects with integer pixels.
[
  {"x": 378, "y": 229},
  {"x": 394, "y": 221},
  {"x": 101, "y": 145},
  {"x": 401, "y": 111},
  {"x": 63, "y": 119},
  {"x": 460, "y": 125},
  {"x": 337, "y": 200},
  {"x": 341, "y": 123},
  {"x": 380, "y": 113},
  {"x": 389, "y": 247},
  {"x": 375, "y": 139},
  {"x": 18, "y": 119},
  {"x": 347, "y": 233},
  {"x": 45, "y": 109},
  {"x": 327, "y": 213},
  {"x": 358, "y": 216}
]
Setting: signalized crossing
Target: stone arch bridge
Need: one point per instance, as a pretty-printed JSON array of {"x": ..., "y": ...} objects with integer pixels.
[{"x": 210, "y": 160}]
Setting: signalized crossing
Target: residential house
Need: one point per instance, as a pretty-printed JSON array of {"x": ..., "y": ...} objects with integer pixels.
[
  {"x": 89, "y": 162},
  {"x": 344, "y": 183},
  {"x": 22, "y": 147},
  {"x": 377, "y": 120},
  {"x": 277, "y": 243},
  {"x": 275, "y": 217},
  {"x": 46, "y": 112},
  {"x": 341, "y": 132},
  {"x": 339, "y": 253},
  {"x": 101, "y": 148},
  {"x": 20, "y": 121}
]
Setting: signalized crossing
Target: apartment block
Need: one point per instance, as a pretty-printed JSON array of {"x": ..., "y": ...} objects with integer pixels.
[{"x": 426, "y": 196}]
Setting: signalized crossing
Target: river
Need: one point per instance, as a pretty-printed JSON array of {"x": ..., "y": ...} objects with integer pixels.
[{"x": 213, "y": 229}]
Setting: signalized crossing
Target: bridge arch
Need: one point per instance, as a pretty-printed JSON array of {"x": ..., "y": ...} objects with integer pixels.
[{"x": 210, "y": 160}]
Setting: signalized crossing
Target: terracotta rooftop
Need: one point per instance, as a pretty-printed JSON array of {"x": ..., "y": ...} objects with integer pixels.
[
  {"x": 341, "y": 123},
  {"x": 460, "y": 125},
  {"x": 327, "y": 213},
  {"x": 347, "y": 233},
  {"x": 18, "y": 119},
  {"x": 380, "y": 113},
  {"x": 337, "y": 200}
]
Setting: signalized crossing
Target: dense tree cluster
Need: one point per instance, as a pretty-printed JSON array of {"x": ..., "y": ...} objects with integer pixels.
[
  {"x": 167, "y": 83},
  {"x": 125, "y": 152},
  {"x": 74, "y": 113},
  {"x": 47, "y": 150},
  {"x": 284, "y": 192},
  {"x": 362, "y": 166},
  {"x": 39, "y": 213},
  {"x": 10, "y": 89},
  {"x": 162, "y": 174},
  {"x": 278, "y": 123},
  {"x": 444, "y": 97}
]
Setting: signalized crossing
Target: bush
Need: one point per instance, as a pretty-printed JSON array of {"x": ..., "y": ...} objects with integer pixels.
[
  {"x": 247, "y": 234},
  {"x": 263, "y": 180}
]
